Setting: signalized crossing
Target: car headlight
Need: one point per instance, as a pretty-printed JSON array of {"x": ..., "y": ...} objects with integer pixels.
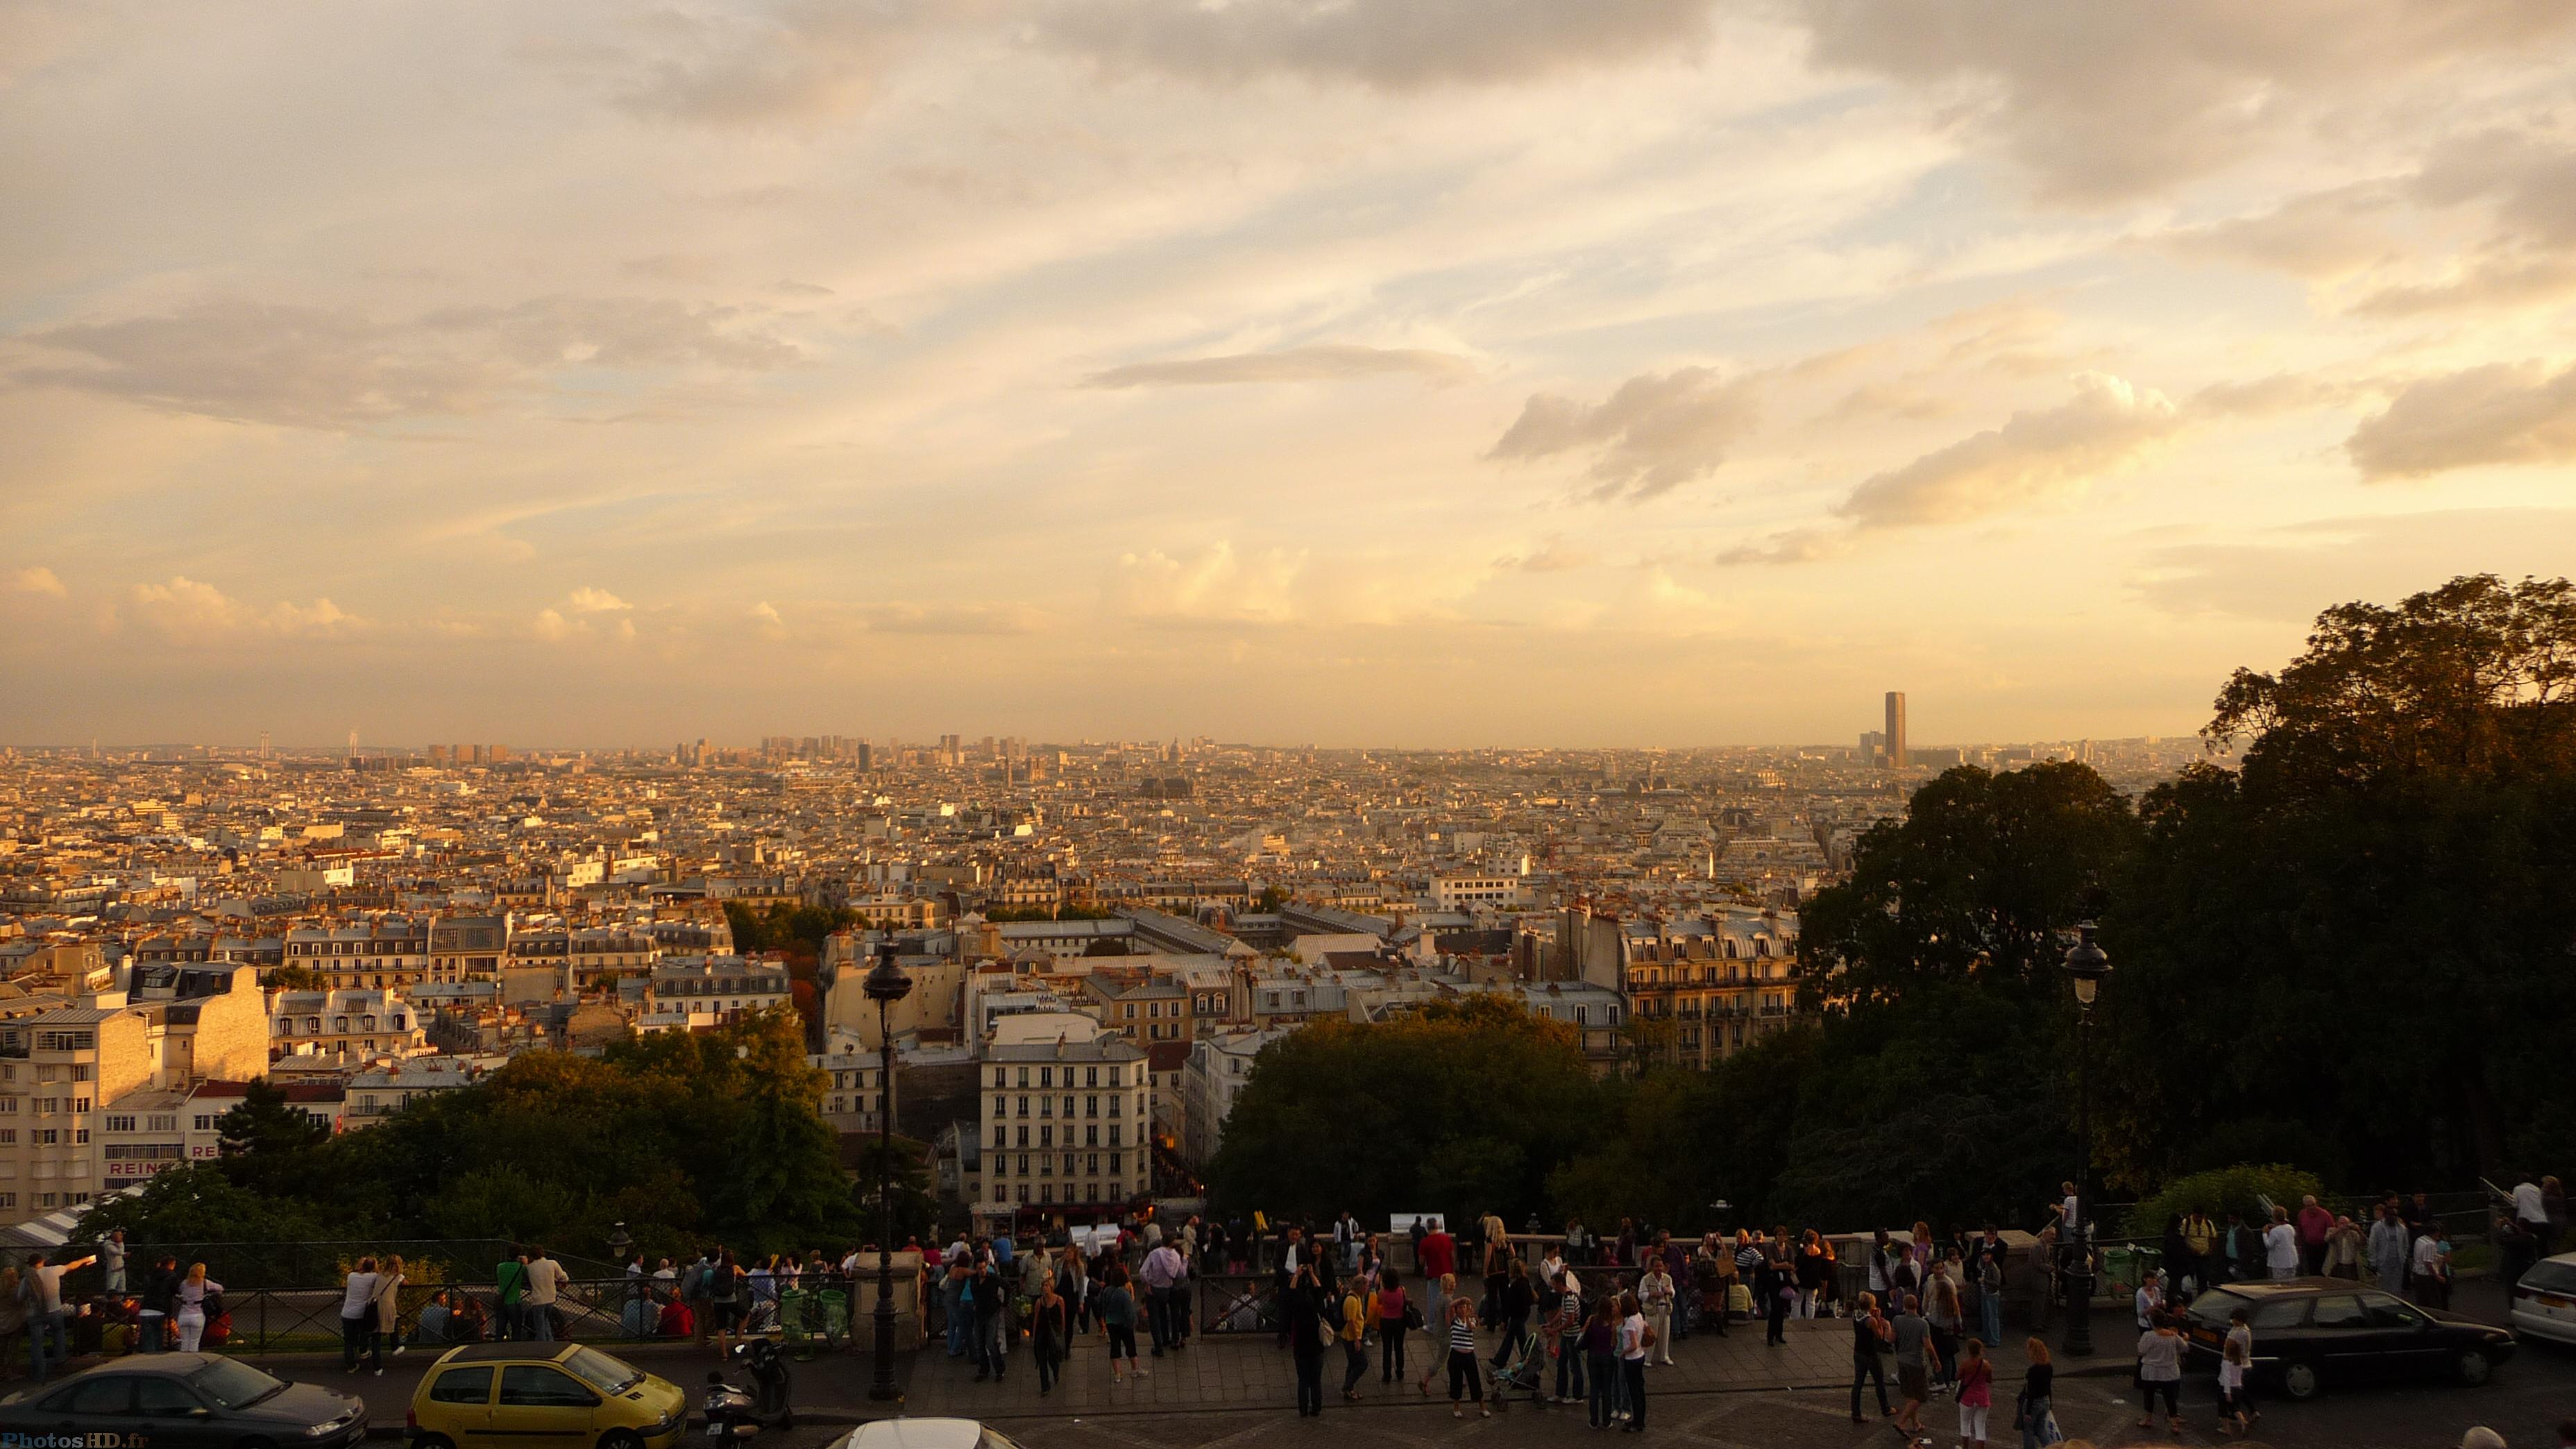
[{"x": 327, "y": 1426}]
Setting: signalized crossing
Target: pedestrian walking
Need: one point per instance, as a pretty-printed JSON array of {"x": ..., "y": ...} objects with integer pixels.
[
  {"x": 1990, "y": 1294},
  {"x": 1872, "y": 1335},
  {"x": 1359, "y": 1307},
  {"x": 358, "y": 1318},
  {"x": 1976, "y": 1393},
  {"x": 1564, "y": 1328},
  {"x": 1115, "y": 1307},
  {"x": 1163, "y": 1274},
  {"x": 1949, "y": 1322},
  {"x": 1636, "y": 1339},
  {"x": 1515, "y": 1301},
  {"x": 1444, "y": 1296},
  {"x": 992, "y": 1299},
  {"x": 1050, "y": 1333},
  {"x": 1911, "y": 1335},
  {"x": 2034, "y": 1411},
  {"x": 2235, "y": 1361},
  {"x": 1464, "y": 1381}
]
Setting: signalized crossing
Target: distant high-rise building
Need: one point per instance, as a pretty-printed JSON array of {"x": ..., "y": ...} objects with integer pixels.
[
  {"x": 1896, "y": 756},
  {"x": 1873, "y": 746}
]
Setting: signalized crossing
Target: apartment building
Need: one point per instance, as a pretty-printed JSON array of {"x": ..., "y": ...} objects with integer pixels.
[
  {"x": 699, "y": 993},
  {"x": 1066, "y": 1121},
  {"x": 378, "y": 1093},
  {"x": 1467, "y": 892},
  {"x": 465, "y": 948},
  {"x": 1215, "y": 1071},
  {"x": 1703, "y": 989},
  {"x": 856, "y": 1093},
  {"x": 1142, "y": 1005},
  {"x": 357, "y": 1023}
]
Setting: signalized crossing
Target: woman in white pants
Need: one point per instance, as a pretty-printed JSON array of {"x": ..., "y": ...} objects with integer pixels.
[{"x": 192, "y": 1305}]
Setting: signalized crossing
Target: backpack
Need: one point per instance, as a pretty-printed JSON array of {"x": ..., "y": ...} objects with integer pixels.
[{"x": 693, "y": 1283}]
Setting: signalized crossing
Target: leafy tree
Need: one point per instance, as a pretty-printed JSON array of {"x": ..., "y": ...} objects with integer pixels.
[
  {"x": 916, "y": 1206},
  {"x": 2240, "y": 1189},
  {"x": 292, "y": 978},
  {"x": 1270, "y": 900},
  {"x": 1454, "y": 1109}
]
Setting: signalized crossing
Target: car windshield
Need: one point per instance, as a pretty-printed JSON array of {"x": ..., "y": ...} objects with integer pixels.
[
  {"x": 233, "y": 1385},
  {"x": 2212, "y": 1308},
  {"x": 608, "y": 1375},
  {"x": 2551, "y": 1277}
]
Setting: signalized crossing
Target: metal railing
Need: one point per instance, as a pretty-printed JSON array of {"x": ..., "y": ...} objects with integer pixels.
[{"x": 586, "y": 1310}]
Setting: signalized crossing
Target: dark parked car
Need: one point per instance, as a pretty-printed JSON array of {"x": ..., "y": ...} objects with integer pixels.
[
  {"x": 184, "y": 1401},
  {"x": 2310, "y": 1332}
]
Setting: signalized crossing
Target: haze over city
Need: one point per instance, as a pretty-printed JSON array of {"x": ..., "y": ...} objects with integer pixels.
[{"x": 1425, "y": 373}]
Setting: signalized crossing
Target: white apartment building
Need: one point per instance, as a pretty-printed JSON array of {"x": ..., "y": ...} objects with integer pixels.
[
  {"x": 386, "y": 952},
  {"x": 362, "y": 1023},
  {"x": 857, "y": 1092},
  {"x": 697, "y": 993},
  {"x": 1467, "y": 892},
  {"x": 378, "y": 1093},
  {"x": 1066, "y": 1122}
]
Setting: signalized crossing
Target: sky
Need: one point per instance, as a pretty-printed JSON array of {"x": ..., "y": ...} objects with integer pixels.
[{"x": 1377, "y": 372}]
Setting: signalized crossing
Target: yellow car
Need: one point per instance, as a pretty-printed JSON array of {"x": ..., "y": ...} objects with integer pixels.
[{"x": 543, "y": 1396}]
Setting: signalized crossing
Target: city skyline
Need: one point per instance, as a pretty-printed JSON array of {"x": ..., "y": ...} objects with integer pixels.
[{"x": 1415, "y": 375}]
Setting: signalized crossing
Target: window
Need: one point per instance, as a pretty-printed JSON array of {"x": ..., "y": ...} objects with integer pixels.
[
  {"x": 162, "y": 1397},
  {"x": 2341, "y": 1311},
  {"x": 1046, "y": 1076},
  {"x": 106, "y": 1394},
  {"x": 539, "y": 1385}
]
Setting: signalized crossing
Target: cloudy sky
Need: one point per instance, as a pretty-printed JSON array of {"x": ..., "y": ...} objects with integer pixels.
[{"x": 1351, "y": 371}]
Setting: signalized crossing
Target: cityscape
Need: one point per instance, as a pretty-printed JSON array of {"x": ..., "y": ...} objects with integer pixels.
[{"x": 1057, "y": 724}]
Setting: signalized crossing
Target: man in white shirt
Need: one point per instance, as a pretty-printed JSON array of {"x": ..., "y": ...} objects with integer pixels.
[
  {"x": 1162, "y": 1275},
  {"x": 545, "y": 1280},
  {"x": 2530, "y": 1207},
  {"x": 2281, "y": 1245}
]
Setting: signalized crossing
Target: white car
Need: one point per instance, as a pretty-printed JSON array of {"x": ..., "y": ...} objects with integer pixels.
[
  {"x": 2544, "y": 1302},
  {"x": 923, "y": 1434}
]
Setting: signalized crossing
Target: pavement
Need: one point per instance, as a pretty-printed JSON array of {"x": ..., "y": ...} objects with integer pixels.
[{"x": 1225, "y": 1392}]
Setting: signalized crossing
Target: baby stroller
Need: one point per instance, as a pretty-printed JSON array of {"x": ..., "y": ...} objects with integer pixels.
[{"x": 1525, "y": 1372}]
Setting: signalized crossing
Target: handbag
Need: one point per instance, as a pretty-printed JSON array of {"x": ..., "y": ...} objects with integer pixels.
[
  {"x": 2049, "y": 1433},
  {"x": 1413, "y": 1316}
]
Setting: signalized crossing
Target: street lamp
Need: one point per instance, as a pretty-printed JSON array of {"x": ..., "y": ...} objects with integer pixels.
[
  {"x": 886, "y": 984},
  {"x": 618, "y": 1242},
  {"x": 2087, "y": 965}
]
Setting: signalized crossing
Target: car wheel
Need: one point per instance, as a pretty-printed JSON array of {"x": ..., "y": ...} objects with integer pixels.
[
  {"x": 621, "y": 1439},
  {"x": 2472, "y": 1367},
  {"x": 433, "y": 1441},
  {"x": 2299, "y": 1381}
]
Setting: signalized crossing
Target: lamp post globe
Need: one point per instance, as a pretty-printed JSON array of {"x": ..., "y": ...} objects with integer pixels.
[
  {"x": 2086, "y": 965},
  {"x": 885, "y": 985}
]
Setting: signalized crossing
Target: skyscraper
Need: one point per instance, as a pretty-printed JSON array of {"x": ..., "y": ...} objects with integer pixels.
[{"x": 1896, "y": 757}]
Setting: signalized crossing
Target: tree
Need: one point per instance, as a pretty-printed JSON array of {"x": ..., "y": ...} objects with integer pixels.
[
  {"x": 292, "y": 978},
  {"x": 267, "y": 1142},
  {"x": 1454, "y": 1109},
  {"x": 2352, "y": 953},
  {"x": 916, "y": 1206}
]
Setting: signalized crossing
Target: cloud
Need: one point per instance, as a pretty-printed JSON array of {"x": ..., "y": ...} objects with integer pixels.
[
  {"x": 1390, "y": 44},
  {"x": 2035, "y": 458},
  {"x": 2523, "y": 183},
  {"x": 1552, "y": 557},
  {"x": 797, "y": 64},
  {"x": 989, "y": 620},
  {"x": 1210, "y": 585},
  {"x": 313, "y": 367},
  {"x": 38, "y": 579},
  {"x": 1323, "y": 363},
  {"x": 2501, "y": 413},
  {"x": 187, "y": 611},
  {"x": 2322, "y": 235},
  {"x": 1654, "y": 434},
  {"x": 2281, "y": 392},
  {"x": 2032, "y": 457},
  {"x": 2102, "y": 101},
  {"x": 596, "y": 601},
  {"x": 2289, "y": 573}
]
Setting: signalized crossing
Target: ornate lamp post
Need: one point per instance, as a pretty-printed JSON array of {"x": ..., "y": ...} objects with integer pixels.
[
  {"x": 2087, "y": 965},
  {"x": 886, "y": 984}
]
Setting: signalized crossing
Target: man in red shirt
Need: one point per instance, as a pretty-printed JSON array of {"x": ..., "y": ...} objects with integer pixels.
[
  {"x": 1439, "y": 1252},
  {"x": 2315, "y": 1226}
]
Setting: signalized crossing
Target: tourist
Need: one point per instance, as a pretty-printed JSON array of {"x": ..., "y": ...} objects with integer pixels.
[
  {"x": 388, "y": 1306},
  {"x": 2343, "y": 1250},
  {"x": 1990, "y": 1293},
  {"x": 1444, "y": 1294},
  {"x": 1050, "y": 1333},
  {"x": 1565, "y": 1326},
  {"x": 1815, "y": 1267},
  {"x": 1976, "y": 1393},
  {"x": 47, "y": 1323},
  {"x": 1601, "y": 1360},
  {"x": 1464, "y": 1381},
  {"x": 1908, "y": 1336},
  {"x": 1517, "y": 1297},
  {"x": 2200, "y": 1243},
  {"x": 1636, "y": 1338},
  {"x": 1308, "y": 1315},
  {"x": 111, "y": 1261},
  {"x": 546, "y": 1278},
  {"x": 160, "y": 1301},
  {"x": 992, "y": 1340},
  {"x": 1358, "y": 1306},
  {"x": 1949, "y": 1322},
  {"x": 2315, "y": 1225},
  {"x": 2281, "y": 1245},
  {"x": 1436, "y": 1255},
  {"x": 429, "y": 1329},
  {"x": 1871, "y": 1336},
  {"x": 2045, "y": 1253},
  {"x": 509, "y": 1287},
  {"x": 2034, "y": 1411},
  {"x": 2160, "y": 1374},
  {"x": 1784, "y": 1300},
  {"x": 1574, "y": 1240},
  {"x": 1115, "y": 1307},
  {"x": 2235, "y": 1360},
  {"x": 2391, "y": 1250},
  {"x": 1162, "y": 1275},
  {"x": 1392, "y": 1306},
  {"x": 358, "y": 1318},
  {"x": 2432, "y": 1269},
  {"x": 1655, "y": 1297},
  {"x": 196, "y": 1291}
]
